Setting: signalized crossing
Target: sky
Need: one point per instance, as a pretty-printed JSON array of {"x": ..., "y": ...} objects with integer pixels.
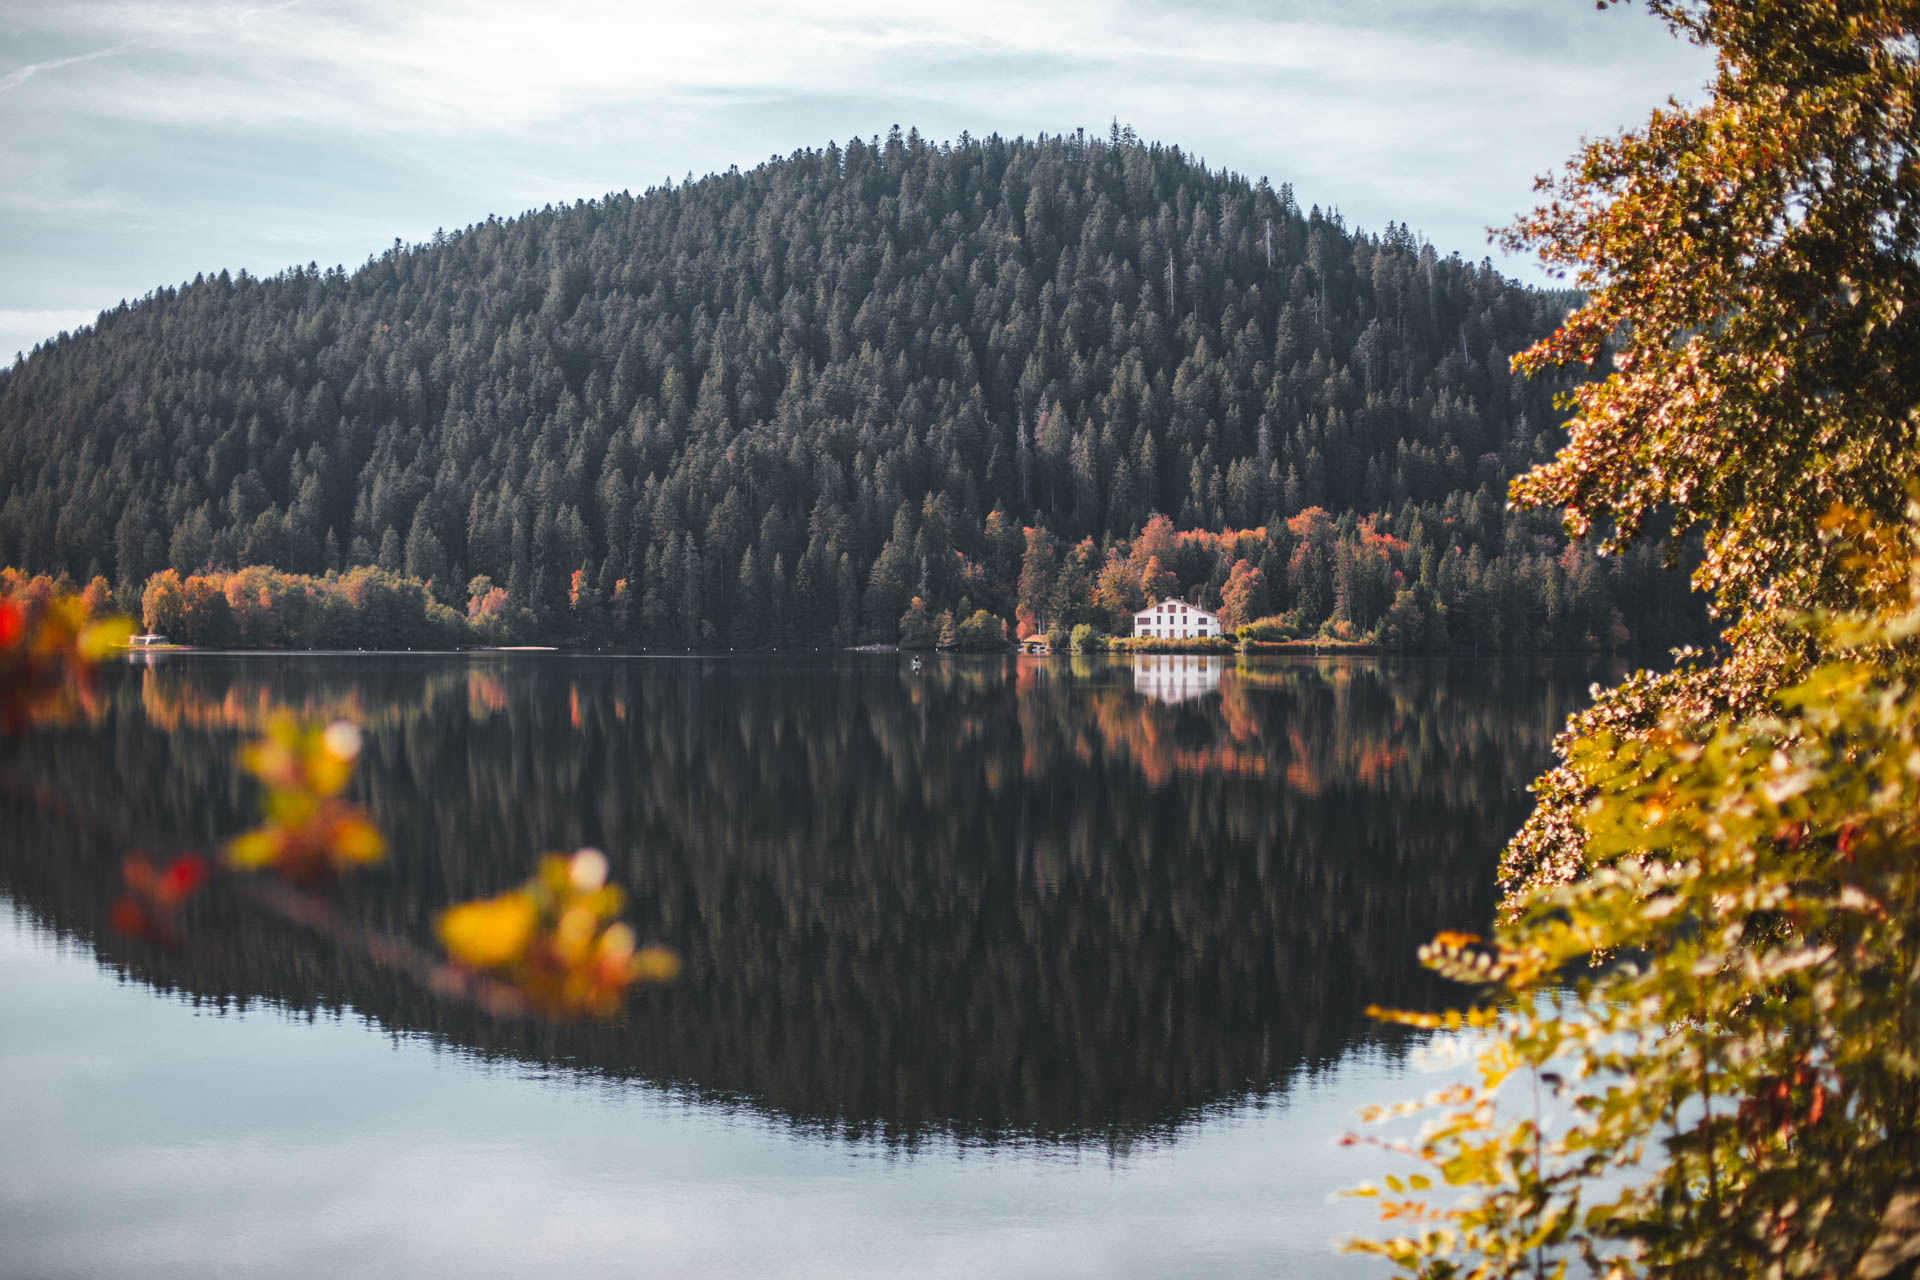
[{"x": 145, "y": 141}]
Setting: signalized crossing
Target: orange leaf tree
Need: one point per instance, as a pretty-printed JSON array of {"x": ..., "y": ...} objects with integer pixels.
[
  {"x": 1700, "y": 1050},
  {"x": 1752, "y": 268}
]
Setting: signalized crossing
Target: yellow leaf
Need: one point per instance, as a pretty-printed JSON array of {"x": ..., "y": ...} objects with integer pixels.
[
  {"x": 267, "y": 758},
  {"x": 490, "y": 932},
  {"x": 98, "y": 639},
  {"x": 327, "y": 773},
  {"x": 618, "y": 943},
  {"x": 573, "y": 935},
  {"x": 258, "y": 848},
  {"x": 355, "y": 839},
  {"x": 656, "y": 964}
]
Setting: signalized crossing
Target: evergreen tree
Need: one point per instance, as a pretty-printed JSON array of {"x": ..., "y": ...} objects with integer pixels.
[
  {"x": 750, "y": 618},
  {"x": 425, "y": 558}
]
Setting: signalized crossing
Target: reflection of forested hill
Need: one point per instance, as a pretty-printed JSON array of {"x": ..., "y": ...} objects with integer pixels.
[{"x": 998, "y": 897}]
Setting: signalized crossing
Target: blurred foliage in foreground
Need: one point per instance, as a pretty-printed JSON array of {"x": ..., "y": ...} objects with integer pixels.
[
  {"x": 308, "y": 830},
  {"x": 49, "y": 641},
  {"x": 1739, "y": 1092},
  {"x": 559, "y": 937},
  {"x": 557, "y": 942}
]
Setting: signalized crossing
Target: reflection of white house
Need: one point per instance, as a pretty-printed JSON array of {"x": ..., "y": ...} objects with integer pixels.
[
  {"x": 1175, "y": 677},
  {"x": 1175, "y": 620}
]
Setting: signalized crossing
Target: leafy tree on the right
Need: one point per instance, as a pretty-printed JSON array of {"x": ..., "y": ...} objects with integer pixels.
[
  {"x": 1700, "y": 1051},
  {"x": 1752, "y": 268}
]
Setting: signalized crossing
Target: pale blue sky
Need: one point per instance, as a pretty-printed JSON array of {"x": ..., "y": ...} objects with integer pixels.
[{"x": 142, "y": 141}]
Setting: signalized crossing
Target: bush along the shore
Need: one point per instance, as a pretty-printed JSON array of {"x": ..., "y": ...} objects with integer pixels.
[
  {"x": 371, "y": 608},
  {"x": 261, "y": 608}
]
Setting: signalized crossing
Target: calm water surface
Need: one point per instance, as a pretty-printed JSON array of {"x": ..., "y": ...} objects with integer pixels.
[{"x": 1000, "y": 967}]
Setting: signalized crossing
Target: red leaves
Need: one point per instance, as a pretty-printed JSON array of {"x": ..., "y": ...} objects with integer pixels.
[
  {"x": 1780, "y": 1107},
  {"x": 166, "y": 888},
  {"x": 129, "y": 920},
  {"x": 150, "y": 907},
  {"x": 49, "y": 646},
  {"x": 184, "y": 875}
]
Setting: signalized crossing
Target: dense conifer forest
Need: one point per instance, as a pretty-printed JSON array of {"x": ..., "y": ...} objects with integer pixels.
[{"x": 892, "y": 385}]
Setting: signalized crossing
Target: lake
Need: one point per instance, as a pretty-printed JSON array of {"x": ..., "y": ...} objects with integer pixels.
[{"x": 1002, "y": 966}]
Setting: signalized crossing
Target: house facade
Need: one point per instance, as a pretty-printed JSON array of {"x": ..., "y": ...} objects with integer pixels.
[{"x": 1175, "y": 620}]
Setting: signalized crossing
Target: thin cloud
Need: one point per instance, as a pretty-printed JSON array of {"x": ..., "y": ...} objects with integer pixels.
[
  {"x": 457, "y": 69},
  {"x": 19, "y": 76}
]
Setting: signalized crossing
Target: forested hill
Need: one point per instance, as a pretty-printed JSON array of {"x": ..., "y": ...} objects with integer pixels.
[{"x": 773, "y": 407}]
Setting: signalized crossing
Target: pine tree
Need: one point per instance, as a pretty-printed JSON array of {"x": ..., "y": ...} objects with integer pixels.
[
  {"x": 1039, "y": 568},
  {"x": 916, "y": 630},
  {"x": 750, "y": 620},
  {"x": 780, "y": 611},
  {"x": 691, "y": 589},
  {"x": 192, "y": 545},
  {"x": 587, "y": 606},
  {"x": 425, "y": 558},
  {"x": 1022, "y": 464}
]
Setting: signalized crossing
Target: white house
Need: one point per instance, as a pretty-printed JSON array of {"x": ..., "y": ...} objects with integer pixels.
[{"x": 1175, "y": 620}]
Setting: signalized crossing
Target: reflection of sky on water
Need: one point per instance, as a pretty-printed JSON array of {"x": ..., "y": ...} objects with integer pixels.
[{"x": 149, "y": 1138}]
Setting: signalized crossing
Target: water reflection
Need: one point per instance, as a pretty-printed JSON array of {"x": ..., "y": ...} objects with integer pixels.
[
  {"x": 1056, "y": 900},
  {"x": 1176, "y": 677}
]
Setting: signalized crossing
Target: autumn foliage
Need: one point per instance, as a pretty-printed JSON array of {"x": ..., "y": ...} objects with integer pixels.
[
  {"x": 50, "y": 641},
  {"x": 308, "y": 831},
  {"x": 264, "y": 608},
  {"x": 1700, "y": 1058},
  {"x": 558, "y": 941},
  {"x": 1696, "y": 1053},
  {"x": 558, "y": 937}
]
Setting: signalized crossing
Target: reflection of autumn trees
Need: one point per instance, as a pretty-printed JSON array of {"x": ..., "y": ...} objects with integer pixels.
[
  {"x": 246, "y": 706},
  {"x": 909, "y": 902}
]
